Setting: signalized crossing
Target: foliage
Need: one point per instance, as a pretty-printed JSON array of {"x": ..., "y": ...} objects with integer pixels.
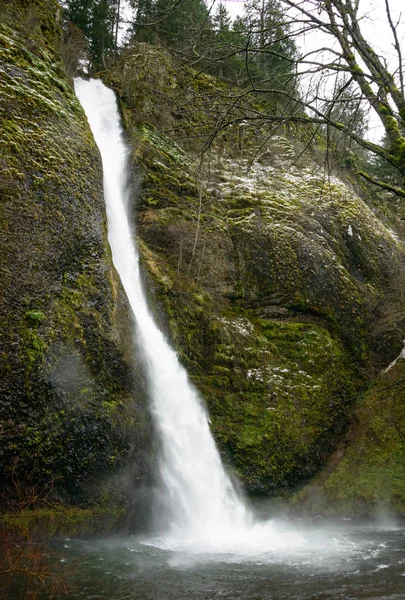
[
  {"x": 270, "y": 274},
  {"x": 259, "y": 53},
  {"x": 99, "y": 21},
  {"x": 27, "y": 565},
  {"x": 207, "y": 38},
  {"x": 176, "y": 22},
  {"x": 350, "y": 112},
  {"x": 365, "y": 476},
  {"x": 273, "y": 48},
  {"x": 381, "y": 169}
]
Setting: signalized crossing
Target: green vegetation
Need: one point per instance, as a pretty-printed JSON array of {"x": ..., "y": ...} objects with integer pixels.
[
  {"x": 365, "y": 476},
  {"x": 276, "y": 394},
  {"x": 279, "y": 287},
  {"x": 61, "y": 521},
  {"x": 99, "y": 22}
]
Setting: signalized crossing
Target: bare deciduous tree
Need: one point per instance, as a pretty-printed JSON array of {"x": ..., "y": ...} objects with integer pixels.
[{"x": 345, "y": 60}]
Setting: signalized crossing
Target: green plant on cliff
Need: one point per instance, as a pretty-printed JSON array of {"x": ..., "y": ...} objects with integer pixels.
[
  {"x": 174, "y": 24},
  {"x": 271, "y": 275},
  {"x": 99, "y": 20},
  {"x": 365, "y": 475}
]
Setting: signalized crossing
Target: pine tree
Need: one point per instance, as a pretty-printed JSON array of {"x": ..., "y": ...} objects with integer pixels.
[
  {"x": 98, "y": 19},
  {"x": 226, "y": 38},
  {"x": 221, "y": 21},
  {"x": 79, "y": 13},
  {"x": 271, "y": 41},
  {"x": 143, "y": 29},
  {"x": 175, "y": 24},
  {"x": 348, "y": 109}
]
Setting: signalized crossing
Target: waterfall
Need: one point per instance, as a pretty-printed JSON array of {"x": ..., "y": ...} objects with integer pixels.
[{"x": 199, "y": 497}]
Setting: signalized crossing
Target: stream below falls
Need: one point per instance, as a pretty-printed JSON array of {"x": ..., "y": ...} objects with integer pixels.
[{"x": 317, "y": 560}]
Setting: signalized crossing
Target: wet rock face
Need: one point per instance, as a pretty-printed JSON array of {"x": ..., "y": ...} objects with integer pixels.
[
  {"x": 71, "y": 404},
  {"x": 276, "y": 283},
  {"x": 308, "y": 243},
  {"x": 273, "y": 314},
  {"x": 364, "y": 477},
  {"x": 273, "y": 277}
]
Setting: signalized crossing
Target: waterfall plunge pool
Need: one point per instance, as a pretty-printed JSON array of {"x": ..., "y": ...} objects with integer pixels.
[{"x": 322, "y": 560}]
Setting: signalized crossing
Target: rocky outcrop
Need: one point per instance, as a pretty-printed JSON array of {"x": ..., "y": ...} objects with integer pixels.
[
  {"x": 278, "y": 283},
  {"x": 72, "y": 409},
  {"x": 273, "y": 274}
]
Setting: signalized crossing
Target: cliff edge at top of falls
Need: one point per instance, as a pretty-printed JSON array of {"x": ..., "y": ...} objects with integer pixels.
[
  {"x": 72, "y": 410},
  {"x": 278, "y": 282}
]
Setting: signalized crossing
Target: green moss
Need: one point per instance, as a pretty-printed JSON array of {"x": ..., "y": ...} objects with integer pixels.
[
  {"x": 35, "y": 316},
  {"x": 67, "y": 397},
  {"x": 62, "y": 521},
  {"x": 275, "y": 390},
  {"x": 271, "y": 279},
  {"x": 287, "y": 400},
  {"x": 33, "y": 346},
  {"x": 367, "y": 475},
  {"x": 76, "y": 443}
]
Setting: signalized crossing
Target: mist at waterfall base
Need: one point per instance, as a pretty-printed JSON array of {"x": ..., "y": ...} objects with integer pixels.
[{"x": 204, "y": 519}]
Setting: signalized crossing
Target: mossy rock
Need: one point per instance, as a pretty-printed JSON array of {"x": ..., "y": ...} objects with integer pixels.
[
  {"x": 72, "y": 406},
  {"x": 365, "y": 476},
  {"x": 271, "y": 279}
]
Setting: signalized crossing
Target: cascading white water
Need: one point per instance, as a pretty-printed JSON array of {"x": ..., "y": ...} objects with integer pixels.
[
  {"x": 203, "y": 511},
  {"x": 200, "y": 497}
]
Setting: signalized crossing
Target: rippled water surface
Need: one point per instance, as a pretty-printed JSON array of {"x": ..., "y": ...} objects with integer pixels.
[{"x": 323, "y": 561}]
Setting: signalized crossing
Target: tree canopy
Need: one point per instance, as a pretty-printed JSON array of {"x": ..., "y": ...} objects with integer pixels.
[{"x": 98, "y": 20}]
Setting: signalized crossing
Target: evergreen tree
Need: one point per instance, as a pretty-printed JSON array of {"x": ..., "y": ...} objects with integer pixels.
[
  {"x": 348, "y": 109},
  {"x": 79, "y": 12},
  {"x": 174, "y": 23},
  {"x": 383, "y": 170},
  {"x": 221, "y": 65},
  {"x": 225, "y": 56},
  {"x": 272, "y": 48},
  {"x": 181, "y": 23},
  {"x": 143, "y": 28},
  {"x": 98, "y": 19},
  {"x": 221, "y": 21}
]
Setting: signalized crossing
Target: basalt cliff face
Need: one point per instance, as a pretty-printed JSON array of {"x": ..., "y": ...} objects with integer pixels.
[
  {"x": 72, "y": 410},
  {"x": 277, "y": 280},
  {"x": 279, "y": 284}
]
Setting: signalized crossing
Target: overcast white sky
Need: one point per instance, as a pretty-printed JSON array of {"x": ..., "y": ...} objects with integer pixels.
[
  {"x": 374, "y": 17},
  {"x": 235, "y": 7}
]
